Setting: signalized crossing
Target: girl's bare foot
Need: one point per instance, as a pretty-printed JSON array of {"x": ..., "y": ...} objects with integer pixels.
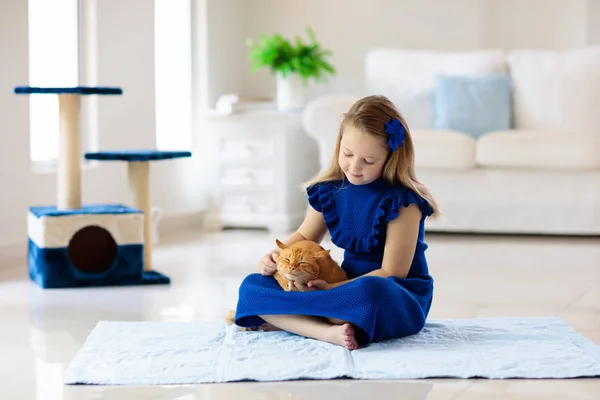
[
  {"x": 342, "y": 335},
  {"x": 267, "y": 327}
]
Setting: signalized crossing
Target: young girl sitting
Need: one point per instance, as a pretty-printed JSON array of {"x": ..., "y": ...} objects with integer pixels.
[{"x": 374, "y": 208}]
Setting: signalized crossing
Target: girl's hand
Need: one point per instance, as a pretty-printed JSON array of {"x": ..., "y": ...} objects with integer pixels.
[
  {"x": 317, "y": 284},
  {"x": 267, "y": 266}
]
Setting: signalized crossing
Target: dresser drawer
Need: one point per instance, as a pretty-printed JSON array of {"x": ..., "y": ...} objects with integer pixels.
[
  {"x": 241, "y": 148},
  {"x": 246, "y": 176},
  {"x": 246, "y": 203}
]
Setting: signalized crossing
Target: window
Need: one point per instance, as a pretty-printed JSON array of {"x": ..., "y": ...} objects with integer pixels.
[
  {"x": 173, "y": 69},
  {"x": 53, "y": 61}
]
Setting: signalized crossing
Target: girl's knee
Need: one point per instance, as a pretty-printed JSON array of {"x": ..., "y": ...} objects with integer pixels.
[
  {"x": 373, "y": 285},
  {"x": 253, "y": 278}
]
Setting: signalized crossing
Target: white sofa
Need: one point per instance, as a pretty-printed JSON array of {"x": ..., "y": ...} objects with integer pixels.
[{"x": 540, "y": 177}]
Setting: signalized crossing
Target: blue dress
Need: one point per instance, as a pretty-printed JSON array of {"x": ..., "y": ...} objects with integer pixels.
[{"x": 380, "y": 308}]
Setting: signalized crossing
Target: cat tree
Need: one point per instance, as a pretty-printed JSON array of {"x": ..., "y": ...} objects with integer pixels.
[{"x": 75, "y": 245}]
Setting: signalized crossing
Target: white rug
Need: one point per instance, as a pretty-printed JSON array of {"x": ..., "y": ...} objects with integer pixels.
[{"x": 162, "y": 353}]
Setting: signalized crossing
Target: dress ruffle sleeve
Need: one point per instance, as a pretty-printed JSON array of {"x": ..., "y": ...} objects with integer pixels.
[
  {"x": 398, "y": 198},
  {"x": 314, "y": 198}
]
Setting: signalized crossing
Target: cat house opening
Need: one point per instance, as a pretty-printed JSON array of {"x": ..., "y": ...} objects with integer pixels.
[{"x": 92, "y": 249}]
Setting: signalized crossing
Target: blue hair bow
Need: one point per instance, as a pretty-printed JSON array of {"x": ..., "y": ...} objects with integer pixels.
[{"x": 396, "y": 132}]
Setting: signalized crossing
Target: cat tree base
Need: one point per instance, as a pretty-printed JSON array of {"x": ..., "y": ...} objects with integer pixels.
[{"x": 95, "y": 245}]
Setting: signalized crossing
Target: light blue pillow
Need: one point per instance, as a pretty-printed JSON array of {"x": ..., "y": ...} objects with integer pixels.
[{"x": 474, "y": 104}]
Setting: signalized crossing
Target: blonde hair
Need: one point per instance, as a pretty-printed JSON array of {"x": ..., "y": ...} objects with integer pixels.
[{"x": 369, "y": 115}]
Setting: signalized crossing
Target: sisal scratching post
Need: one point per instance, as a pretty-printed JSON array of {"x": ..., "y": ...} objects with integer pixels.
[
  {"x": 69, "y": 153},
  {"x": 139, "y": 183},
  {"x": 68, "y": 175}
]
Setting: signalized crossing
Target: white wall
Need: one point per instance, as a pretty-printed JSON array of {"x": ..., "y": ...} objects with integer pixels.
[
  {"x": 423, "y": 24},
  {"x": 225, "y": 46},
  {"x": 593, "y": 22},
  {"x": 14, "y": 127},
  {"x": 350, "y": 27},
  {"x": 125, "y": 58},
  {"x": 541, "y": 24}
]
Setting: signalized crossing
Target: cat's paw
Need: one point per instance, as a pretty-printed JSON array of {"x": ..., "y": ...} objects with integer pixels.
[{"x": 230, "y": 317}]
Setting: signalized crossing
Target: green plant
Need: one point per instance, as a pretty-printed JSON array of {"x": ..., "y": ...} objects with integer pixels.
[{"x": 281, "y": 56}]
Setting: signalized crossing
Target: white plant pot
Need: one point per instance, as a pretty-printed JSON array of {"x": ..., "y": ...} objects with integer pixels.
[{"x": 290, "y": 92}]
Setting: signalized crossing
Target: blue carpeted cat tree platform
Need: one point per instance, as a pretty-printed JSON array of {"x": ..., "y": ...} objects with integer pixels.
[{"x": 75, "y": 245}]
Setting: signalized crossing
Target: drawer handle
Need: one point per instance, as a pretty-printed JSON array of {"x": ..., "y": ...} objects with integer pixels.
[
  {"x": 250, "y": 148},
  {"x": 248, "y": 174},
  {"x": 247, "y": 203}
]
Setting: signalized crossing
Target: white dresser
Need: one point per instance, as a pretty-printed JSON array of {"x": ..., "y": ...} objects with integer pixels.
[{"x": 260, "y": 161}]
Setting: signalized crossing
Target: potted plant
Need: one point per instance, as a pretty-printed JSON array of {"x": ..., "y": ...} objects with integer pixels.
[{"x": 293, "y": 64}]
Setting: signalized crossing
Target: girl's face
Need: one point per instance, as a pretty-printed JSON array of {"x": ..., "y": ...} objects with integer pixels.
[{"x": 362, "y": 156}]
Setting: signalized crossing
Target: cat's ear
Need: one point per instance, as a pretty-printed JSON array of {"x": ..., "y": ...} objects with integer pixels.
[
  {"x": 280, "y": 245},
  {"x": 321, "y": 254}
]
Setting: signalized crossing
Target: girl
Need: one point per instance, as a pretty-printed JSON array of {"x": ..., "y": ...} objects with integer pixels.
[{"x": 374, "y": 208}]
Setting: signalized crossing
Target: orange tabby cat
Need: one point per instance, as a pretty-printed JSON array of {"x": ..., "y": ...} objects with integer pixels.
[
  {"x": 305, "y": 261},
  {"x": 302, "y": 262}
]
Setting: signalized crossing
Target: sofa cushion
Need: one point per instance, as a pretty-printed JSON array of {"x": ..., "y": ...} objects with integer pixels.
[
  {"x": 556, "y": 89},
  {"x": 474, "y": 104},
  {"x": 443, "y": 149},
  {"x": 407, "y": 76},
  {"x": 534, "y": 149}
]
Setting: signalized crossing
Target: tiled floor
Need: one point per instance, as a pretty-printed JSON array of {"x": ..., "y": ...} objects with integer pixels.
[{"x": 42, "y": 330}]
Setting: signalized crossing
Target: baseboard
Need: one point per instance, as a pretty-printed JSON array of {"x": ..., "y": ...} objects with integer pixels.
[
  {"x": 273, "y": 222},
  {"x": 13, "y": 255}
]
